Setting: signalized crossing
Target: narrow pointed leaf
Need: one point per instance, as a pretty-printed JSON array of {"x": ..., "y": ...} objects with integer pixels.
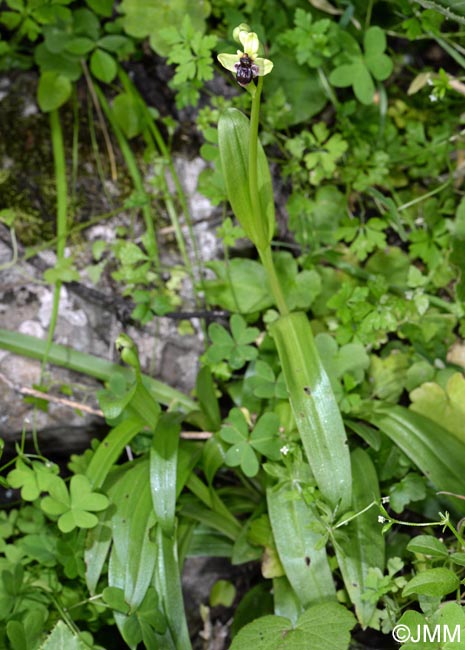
[{"x": 233, "y": 139}]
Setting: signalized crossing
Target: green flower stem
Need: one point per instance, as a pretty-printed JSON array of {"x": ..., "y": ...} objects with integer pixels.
[
  {"x": 264, "y": 253},
  {"x": 276, "y": 289},
  {"x": 61, "y": 213}
]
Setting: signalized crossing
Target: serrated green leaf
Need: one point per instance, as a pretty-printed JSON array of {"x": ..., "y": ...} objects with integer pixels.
[
  {"x": 325, "y": 626},
  {"x": 61, "y": 638}
]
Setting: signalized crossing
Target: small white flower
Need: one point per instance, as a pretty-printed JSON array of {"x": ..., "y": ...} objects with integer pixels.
[
  {"x": 385, "y": 499},
  {"x": 246, "y": 64},
  {"x": 433, "y": 98},
  {"x": 381, "y": 519},
  {"x": 285, "y": 450}
]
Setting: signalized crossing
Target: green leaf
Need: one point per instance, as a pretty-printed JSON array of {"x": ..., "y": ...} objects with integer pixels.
[
  {"x": 325, "y": 626},
  {"x": 315, "y": 408},
  {"x": 362, "y": 82},
  {"x": 233, "y": 141},
  {"x": 291, "y": 81},
  {"x": 163, "y": 466},
  {"x": 342, "y": 76},
  {"x": 145, "y": 18},
  {"x": 235, "y": 348},
  {"x": 103, "y": 66},
  {"x": 417, "y": 436},
  {"x": 242, "y": 286},
  {"x": 411, "y": 488},
  {"x": 79, "y": 45},
  {"x": 429, "y": 546},
  {"x": 436, "y": 582},
  {"x": 53, "y": 91},
  {"x": 101, "y": 7},
  {"x": 306, "y": 566},
  {"x": 128, "y": 116},
  {"x": 264, "y": 437},
  {"x": 444, "y": 406},
  {"x": 223, "y": 593},
  {"x": 62, "y": 638},
  {"x": 374, "y": 41},
  {"x": 360, "y": 544}
]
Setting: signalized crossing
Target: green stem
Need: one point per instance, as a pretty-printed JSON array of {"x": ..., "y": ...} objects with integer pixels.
[
  {"x": 134, "y": 172},
  {"x": 61, "y": 211},
  {"x": 276, "y": 289},
  {"x": 265, "y": 253}
]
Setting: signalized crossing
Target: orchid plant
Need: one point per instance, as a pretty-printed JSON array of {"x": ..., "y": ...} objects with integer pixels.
[{"x": 315, "y": 409}]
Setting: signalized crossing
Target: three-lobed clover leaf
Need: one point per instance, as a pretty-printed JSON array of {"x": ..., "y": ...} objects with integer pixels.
[
  {"x": 245, "y": 444},
  {"x": 233, "y": 347},
  {"x": 32, "y": 479},
  {"x": 265, "y": 384},
  {"x": 74, "y": 508},
  {"x": 357, "y": 69}
]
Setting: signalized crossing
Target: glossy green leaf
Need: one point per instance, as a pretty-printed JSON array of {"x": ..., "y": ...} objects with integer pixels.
[
  {"x": 133, "y": 555},
  {"x": 163, "y": 467},
  {"x": 360, "y": 544},
  {"x": 168, "y": 584},
  {"x": 436, "y": 582},
  {"x": 428, "y": 545},
  {"x": 306, "y": 568},
  {"x": 315, "y": 408},
  {"x": 325, "y": 626},
  {"x": 433, "y": 449},
  {"x": 233, "y": 140},
  {"x": 111, "y": 448}
]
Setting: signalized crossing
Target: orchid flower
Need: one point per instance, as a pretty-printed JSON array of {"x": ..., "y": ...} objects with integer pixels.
[{"x": 246, "y": 64}]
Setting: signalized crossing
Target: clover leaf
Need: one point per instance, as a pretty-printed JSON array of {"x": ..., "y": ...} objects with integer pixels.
[
  {"x": 357, "y": 69},
  {"x": 245, "y": 444},
  {"x": 32, "y": 479},
  {"x": 75, "y": 508},
  {"x": 265, "y": 384},
  {"x": 233, "y": 347}
]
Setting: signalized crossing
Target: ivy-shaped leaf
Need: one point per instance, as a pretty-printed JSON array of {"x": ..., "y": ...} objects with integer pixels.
[
  {"x": 263, "y": 439},
  {"x": 233, "y": 347},
  {"x": 75, "y": 508},
  {"x": 444, "y": 406},
  {"x": 325, "y": 626}
]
